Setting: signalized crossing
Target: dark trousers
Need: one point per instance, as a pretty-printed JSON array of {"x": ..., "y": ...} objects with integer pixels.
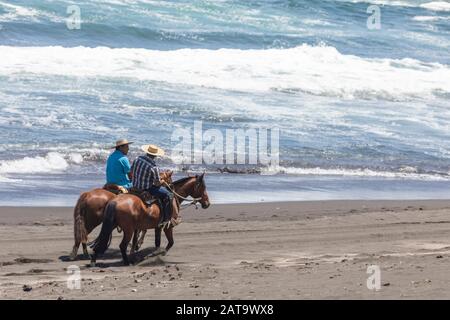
[{"x": 166, "y": 196}]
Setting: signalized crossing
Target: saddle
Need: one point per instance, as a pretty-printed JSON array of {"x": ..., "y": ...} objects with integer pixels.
[
  {"x": 145, "y": 196},
  {"x": 149, "y": 200},
  {"x": 114, "y": 188}
]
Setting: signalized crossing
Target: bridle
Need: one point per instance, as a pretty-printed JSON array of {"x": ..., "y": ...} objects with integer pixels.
[{"x": 192, "y": 201}]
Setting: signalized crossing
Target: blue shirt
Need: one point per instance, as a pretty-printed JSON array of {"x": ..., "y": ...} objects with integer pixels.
[{"x": 117, "y": 169}]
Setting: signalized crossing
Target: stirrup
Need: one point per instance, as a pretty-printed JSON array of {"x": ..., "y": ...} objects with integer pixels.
[
  {"x": 164, "y": 225},
  {"x": 175, "y": 222}
]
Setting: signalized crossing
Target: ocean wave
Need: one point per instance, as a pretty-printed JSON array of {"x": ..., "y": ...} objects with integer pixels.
[
  {"x": 16, "y": 12},
  {"x": 63, "y": 161},
  {"x": 404, "y": 173},
  {"x": 315, "y": 70},
  {"x": 429, "y": 18},
  {"x": 52, "y": 162},
  {"x": 436, "y": 6},
  {"x": 398, "y": 3},
  {"x": 9, "y": 180}
]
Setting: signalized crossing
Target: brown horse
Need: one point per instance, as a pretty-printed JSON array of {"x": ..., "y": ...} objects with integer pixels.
[
  {"x": 88, "y": 214},
  {"x": 130, "y": 214}
]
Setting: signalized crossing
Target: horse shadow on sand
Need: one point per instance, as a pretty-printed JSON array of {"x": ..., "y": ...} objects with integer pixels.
[{"x": 144, "y": 257}]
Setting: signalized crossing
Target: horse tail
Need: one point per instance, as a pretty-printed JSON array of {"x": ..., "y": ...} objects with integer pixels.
[
  {"x": 103, "y": 240},
  {"x": 79, "y": 214}
]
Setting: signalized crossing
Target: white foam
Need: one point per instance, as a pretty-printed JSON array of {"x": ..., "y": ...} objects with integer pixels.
[
  {"x": 57, "y": 160},
  {"x": 319, "y": 70},
  {"x": 52, "y": 162},
  {"x": 434, "y": 5},
  {"x": 384, "y": 2},
  {"x": 5, "y": 179},
  {"x": 437, "y": 6},
  {"x": 405, "y": 173},
  {"x": 426, "y": 18},
  {"x": 15, "y": 12},
  {"x": 76, "y": 158}
]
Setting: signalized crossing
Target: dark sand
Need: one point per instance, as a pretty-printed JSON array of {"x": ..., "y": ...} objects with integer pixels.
[{"x": 296, "y": 250}]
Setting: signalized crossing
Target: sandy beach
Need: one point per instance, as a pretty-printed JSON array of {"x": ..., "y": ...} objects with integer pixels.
[{"x": 295, "y": 250}]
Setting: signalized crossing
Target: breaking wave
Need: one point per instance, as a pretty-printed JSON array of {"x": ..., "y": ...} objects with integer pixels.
[{"x": 315, "y": 70}]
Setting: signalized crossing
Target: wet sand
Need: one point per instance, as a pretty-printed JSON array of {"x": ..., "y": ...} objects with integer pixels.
[{"x": 295, "y": 250}]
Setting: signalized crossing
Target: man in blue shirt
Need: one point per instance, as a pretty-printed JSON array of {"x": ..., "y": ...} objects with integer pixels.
[{"x": 118, "y": 166}]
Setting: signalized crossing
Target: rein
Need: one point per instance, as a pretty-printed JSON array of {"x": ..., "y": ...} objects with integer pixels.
[{"x": 192, "y": 202}]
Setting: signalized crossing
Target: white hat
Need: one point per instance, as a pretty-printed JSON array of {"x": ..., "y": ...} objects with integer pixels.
[
  {"x": 122, "y": 142},
  {"x": 153, "y": 150}
]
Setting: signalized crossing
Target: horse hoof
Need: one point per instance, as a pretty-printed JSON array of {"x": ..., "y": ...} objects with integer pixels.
[{"x": 92, "y": 264}]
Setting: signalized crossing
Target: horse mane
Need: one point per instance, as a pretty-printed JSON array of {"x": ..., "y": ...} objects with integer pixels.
[{"x": 182, "y": 180}]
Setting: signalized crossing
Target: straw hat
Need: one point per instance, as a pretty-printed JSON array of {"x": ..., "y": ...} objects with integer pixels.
[
  {"x": 153, "y": 150},
  {"x": 122, "y": 142}
]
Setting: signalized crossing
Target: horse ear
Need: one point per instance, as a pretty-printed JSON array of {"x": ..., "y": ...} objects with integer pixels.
[{"x": 200, "y": 177}]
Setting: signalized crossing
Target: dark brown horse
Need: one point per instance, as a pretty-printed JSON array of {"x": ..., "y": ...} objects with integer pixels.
[
  {"x": 88, "y": 214},
  {"x": 130, "y": 214}
]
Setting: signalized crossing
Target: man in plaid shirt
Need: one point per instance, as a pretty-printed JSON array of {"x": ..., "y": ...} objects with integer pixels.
[{"x": 146, "y": 177}]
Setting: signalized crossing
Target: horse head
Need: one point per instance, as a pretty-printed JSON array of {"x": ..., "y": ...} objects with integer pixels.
[{"x": 200, "y": 191}]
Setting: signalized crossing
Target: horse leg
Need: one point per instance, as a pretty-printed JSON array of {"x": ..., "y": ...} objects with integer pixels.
[
  {"x": 134, "y": 242},
  {"x": 157, "y": 250},
  {"x": 73, "y": 255},
  {"x": 85, "y": 251},
  {"x": 127, "y": 235},
  {"x": 157, "y": 237},
  {"x": 84, "y": 241},
  {"x": 169, "y": 236},
  {"x": 93, "y": 259},
  {"x": 141, "y": 240}
]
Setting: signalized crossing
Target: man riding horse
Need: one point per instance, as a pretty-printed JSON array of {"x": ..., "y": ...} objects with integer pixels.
[
  {"x": 118, "y": 167},
  {"x": 146, "y": 177},
  {"x": 89, "y": 210}
]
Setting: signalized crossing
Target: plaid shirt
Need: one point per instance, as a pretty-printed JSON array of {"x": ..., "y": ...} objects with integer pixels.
[{"x": 145, "y": 173}]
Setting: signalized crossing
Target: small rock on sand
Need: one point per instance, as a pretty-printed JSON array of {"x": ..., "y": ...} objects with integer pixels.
[{"x": 27, "y": 288}]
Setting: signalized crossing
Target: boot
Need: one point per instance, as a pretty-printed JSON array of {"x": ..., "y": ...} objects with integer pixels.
[{"x": 167, "y": 213}]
